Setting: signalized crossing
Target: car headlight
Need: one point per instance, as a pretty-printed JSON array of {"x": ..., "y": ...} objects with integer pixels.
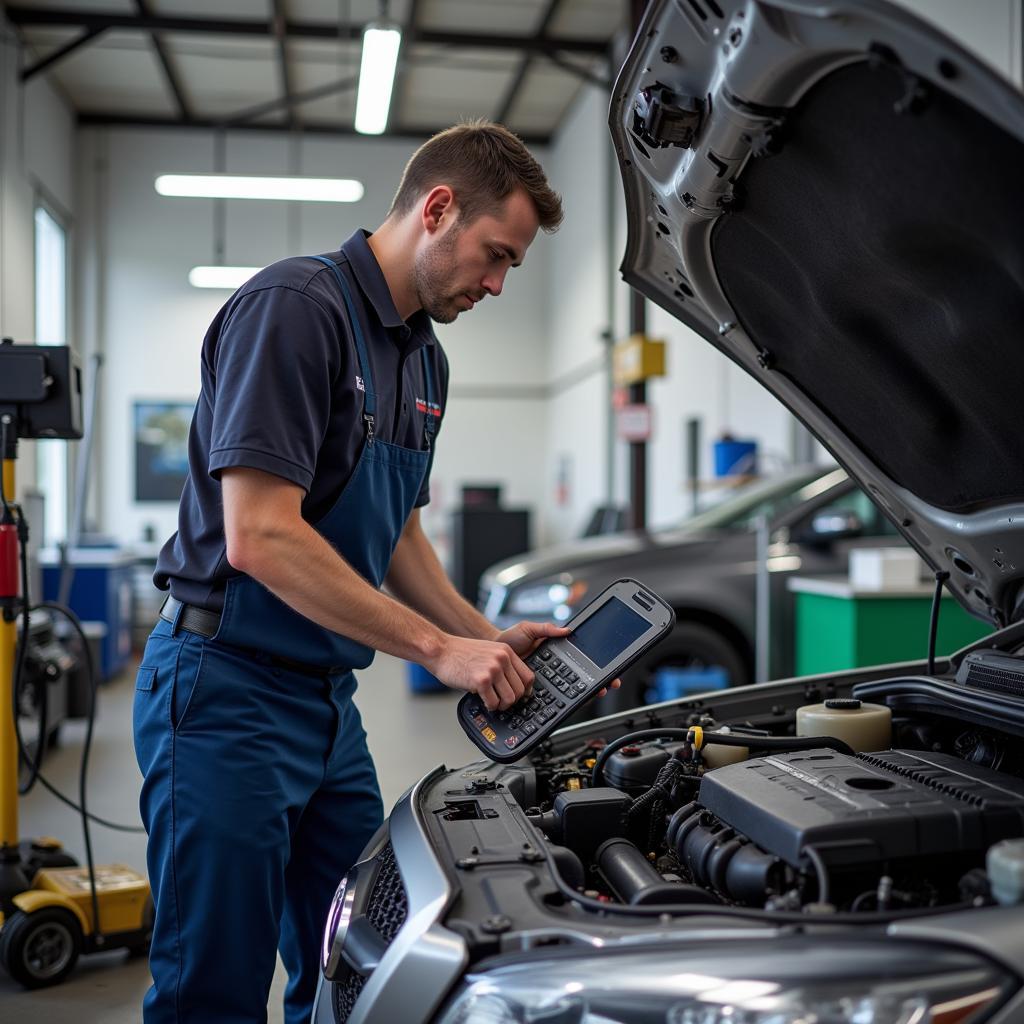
[
  {"x": 545, "y": 600},
  {"x": 836, "y": 983},
  {"x": 337, "y": 926}
]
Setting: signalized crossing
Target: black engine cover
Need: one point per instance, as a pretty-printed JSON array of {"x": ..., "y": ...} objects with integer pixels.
[{"x": 865, "y": 808}]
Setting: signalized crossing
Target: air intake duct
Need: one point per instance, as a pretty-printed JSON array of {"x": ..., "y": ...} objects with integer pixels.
[{"x": 718, "y": 857}]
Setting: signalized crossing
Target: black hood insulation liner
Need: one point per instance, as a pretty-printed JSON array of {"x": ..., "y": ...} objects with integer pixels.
[{"x": 878, "y": 262}]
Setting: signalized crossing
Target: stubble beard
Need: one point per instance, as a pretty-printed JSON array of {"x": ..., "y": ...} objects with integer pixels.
[{"x": 432, "y": 273}]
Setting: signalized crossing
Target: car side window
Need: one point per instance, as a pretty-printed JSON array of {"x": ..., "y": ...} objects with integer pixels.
[
  {"x": 772, "y": 508},
  {"x": 876, "y": 524},
  {"x": 855, "y": 501}
]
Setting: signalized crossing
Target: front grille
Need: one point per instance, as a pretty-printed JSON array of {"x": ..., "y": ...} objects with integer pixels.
[
  {"x": 389, "y": 905},
  {"x": 993, "y": 671},
  {"x": 386, "y": 909}
]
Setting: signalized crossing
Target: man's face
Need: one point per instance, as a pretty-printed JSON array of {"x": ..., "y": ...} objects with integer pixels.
[{"x": 456, "y": 268}]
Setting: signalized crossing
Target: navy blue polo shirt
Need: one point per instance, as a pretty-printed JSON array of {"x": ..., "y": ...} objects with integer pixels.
[{"x": 282, "y": 392}]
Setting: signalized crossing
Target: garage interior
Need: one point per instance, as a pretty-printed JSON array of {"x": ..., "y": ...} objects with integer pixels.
[{"x": 578, "y": 412}]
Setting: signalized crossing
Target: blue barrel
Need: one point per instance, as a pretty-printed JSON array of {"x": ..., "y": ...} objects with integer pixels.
[{"x": 734, "y": 458}]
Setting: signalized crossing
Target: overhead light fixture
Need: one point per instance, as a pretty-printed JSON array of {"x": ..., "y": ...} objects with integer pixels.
[
  {"x": 228, "y": 278},
  {"x": 258, "y": 186},
  {"x": 381, "y": 41}
]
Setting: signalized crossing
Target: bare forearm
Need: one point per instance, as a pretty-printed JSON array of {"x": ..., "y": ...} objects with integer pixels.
[
  {"x": 268, "y": 539},
  {"x": 298, "y": 565},
  {"x": 417, "y": 578}
]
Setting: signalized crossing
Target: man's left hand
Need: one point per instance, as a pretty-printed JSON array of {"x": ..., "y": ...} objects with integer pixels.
[{"x": 525, "y": 637}]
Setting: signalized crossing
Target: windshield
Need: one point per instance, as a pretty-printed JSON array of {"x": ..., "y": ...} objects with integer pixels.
[{"x": 769, "y": 498}]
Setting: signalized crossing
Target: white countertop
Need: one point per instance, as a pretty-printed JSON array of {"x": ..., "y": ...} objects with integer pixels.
[{"x": 840, "y": 586}]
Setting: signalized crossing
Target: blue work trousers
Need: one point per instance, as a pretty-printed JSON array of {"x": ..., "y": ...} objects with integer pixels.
[{"x": 259, "y": 794}]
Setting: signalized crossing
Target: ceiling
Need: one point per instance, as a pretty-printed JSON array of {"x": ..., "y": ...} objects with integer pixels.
[{"x": 293, "y": 64}]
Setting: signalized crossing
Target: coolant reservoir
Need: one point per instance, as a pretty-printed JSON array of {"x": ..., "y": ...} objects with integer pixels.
[
  {"x": 717, "y": 755},
  {"x": 863, "y": 727}
]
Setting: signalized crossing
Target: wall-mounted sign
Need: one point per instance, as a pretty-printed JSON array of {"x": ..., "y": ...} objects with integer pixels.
[
  {"x": 634, "y": 423},
  {"x": 161, "y": 449}
]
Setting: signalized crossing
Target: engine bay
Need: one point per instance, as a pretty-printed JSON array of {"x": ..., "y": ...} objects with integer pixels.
[{"x": 886, "y": 798}]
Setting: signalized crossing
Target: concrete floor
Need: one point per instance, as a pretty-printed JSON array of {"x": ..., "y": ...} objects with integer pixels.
[{"x": 408, "y": 734}]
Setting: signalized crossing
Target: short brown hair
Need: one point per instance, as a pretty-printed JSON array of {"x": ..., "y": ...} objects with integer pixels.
[{"x": 484, "y": 163}]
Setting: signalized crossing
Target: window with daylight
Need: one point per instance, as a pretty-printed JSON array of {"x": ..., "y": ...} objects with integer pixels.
[{"x": 51, "y": 329}]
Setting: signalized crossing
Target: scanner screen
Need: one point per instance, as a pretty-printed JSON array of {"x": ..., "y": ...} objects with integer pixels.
[{"x": 608, "y": 632}]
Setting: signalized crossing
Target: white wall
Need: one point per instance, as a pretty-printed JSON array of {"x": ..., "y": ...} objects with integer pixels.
[
  {"x": 36, "y": 159},
  {"x": 529, "y": 396},
  {"x": 700, "y": 381},
  {"x": 140, "y": 310}
]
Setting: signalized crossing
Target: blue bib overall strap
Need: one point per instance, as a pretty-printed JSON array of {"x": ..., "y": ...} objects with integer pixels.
[
  {"x": 369, "y": 398},
  {"x": 433, "y": 410},
  {"x": 259, "y": 789},
  {"x": 364, "y": 525}
]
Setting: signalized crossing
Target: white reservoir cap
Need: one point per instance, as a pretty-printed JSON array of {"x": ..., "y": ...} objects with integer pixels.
[{"x": 1005, "y": 863}]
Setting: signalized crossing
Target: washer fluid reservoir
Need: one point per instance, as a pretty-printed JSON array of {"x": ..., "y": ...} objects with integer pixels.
[{"x": 864, "y": 727}]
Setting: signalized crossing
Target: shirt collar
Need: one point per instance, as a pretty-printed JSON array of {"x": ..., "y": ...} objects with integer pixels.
[{"x": 372, "y": 283}]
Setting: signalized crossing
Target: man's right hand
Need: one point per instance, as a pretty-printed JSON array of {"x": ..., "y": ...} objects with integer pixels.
[{"x": 491, "y": 670}]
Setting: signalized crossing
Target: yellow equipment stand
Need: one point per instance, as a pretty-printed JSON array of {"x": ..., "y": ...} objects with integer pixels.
[{"x": 46, "y": 906}]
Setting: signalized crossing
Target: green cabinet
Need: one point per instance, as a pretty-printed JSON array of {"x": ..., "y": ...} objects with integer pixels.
[{"x": 838, "y": 627}]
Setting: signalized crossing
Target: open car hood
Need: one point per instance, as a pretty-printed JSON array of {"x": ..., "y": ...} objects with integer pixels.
[{"x": 830, "y": 192}]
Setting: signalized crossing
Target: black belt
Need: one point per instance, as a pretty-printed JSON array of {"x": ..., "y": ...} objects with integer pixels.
[
  {"x": 195, "y": 620},
  {"x": 205, "y": 623}
]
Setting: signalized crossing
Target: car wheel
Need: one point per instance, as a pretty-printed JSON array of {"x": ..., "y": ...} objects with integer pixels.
[
  {"x": 41, "y": 948},
  {"x": 690, "y": 646}
]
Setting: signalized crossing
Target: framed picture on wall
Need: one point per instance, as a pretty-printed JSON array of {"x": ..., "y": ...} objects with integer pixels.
[{"x": 160, "y": 431}]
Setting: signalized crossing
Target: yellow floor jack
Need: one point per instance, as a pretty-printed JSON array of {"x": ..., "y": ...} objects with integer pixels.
[{"x": 51, "y": 910}]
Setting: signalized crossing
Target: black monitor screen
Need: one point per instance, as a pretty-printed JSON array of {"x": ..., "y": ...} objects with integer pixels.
[{"x": 610, "y": 630}]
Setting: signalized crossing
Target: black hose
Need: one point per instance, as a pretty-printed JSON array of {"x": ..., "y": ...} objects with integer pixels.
[
  {"x": 724, "y": 739},
  {"x": 739, "y": 913},
  {"x": 933, "y": 622},
  {"x": 37, "y": 775},
  {"x": 76, "y": 625},
  {"x": 597, "y": 776},
  {"x": 728, "y": 739}
]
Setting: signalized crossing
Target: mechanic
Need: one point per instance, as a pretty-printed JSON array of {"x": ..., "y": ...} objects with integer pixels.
[{"x": 323, "y": 388}]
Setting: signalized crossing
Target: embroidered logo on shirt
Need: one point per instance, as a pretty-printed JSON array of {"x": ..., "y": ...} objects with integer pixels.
[
  {"x": 422, "y": 405},
  {"x": 359, "y": 384}
]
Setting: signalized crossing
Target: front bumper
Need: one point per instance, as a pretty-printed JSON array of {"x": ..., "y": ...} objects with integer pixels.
[{"x": 424, "y": 959}]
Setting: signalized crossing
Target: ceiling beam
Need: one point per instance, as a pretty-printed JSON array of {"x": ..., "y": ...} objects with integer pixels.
[
  {"x": 512, "y": 93},
  {"x": 584, "y": 74},
  {"x": 410, "y": 34},
  {"x": 165, "y": 62},
  {"x": 280, "y": 30},
  {"x": 241, "y": 117},
  {"x": 102, "y": 119},
  {"x": 60, "y": 53},
  {"x": 42, "y": 17}
]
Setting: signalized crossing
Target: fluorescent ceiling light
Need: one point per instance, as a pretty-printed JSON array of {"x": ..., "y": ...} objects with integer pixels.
[
  {"x": 376, "y": 77},
  {"x": 258, "y": 186},
  {"x": 229, "y": 278}
]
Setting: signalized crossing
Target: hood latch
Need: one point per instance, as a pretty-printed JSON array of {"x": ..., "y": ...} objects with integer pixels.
[{"x": 662, "y": 117}]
